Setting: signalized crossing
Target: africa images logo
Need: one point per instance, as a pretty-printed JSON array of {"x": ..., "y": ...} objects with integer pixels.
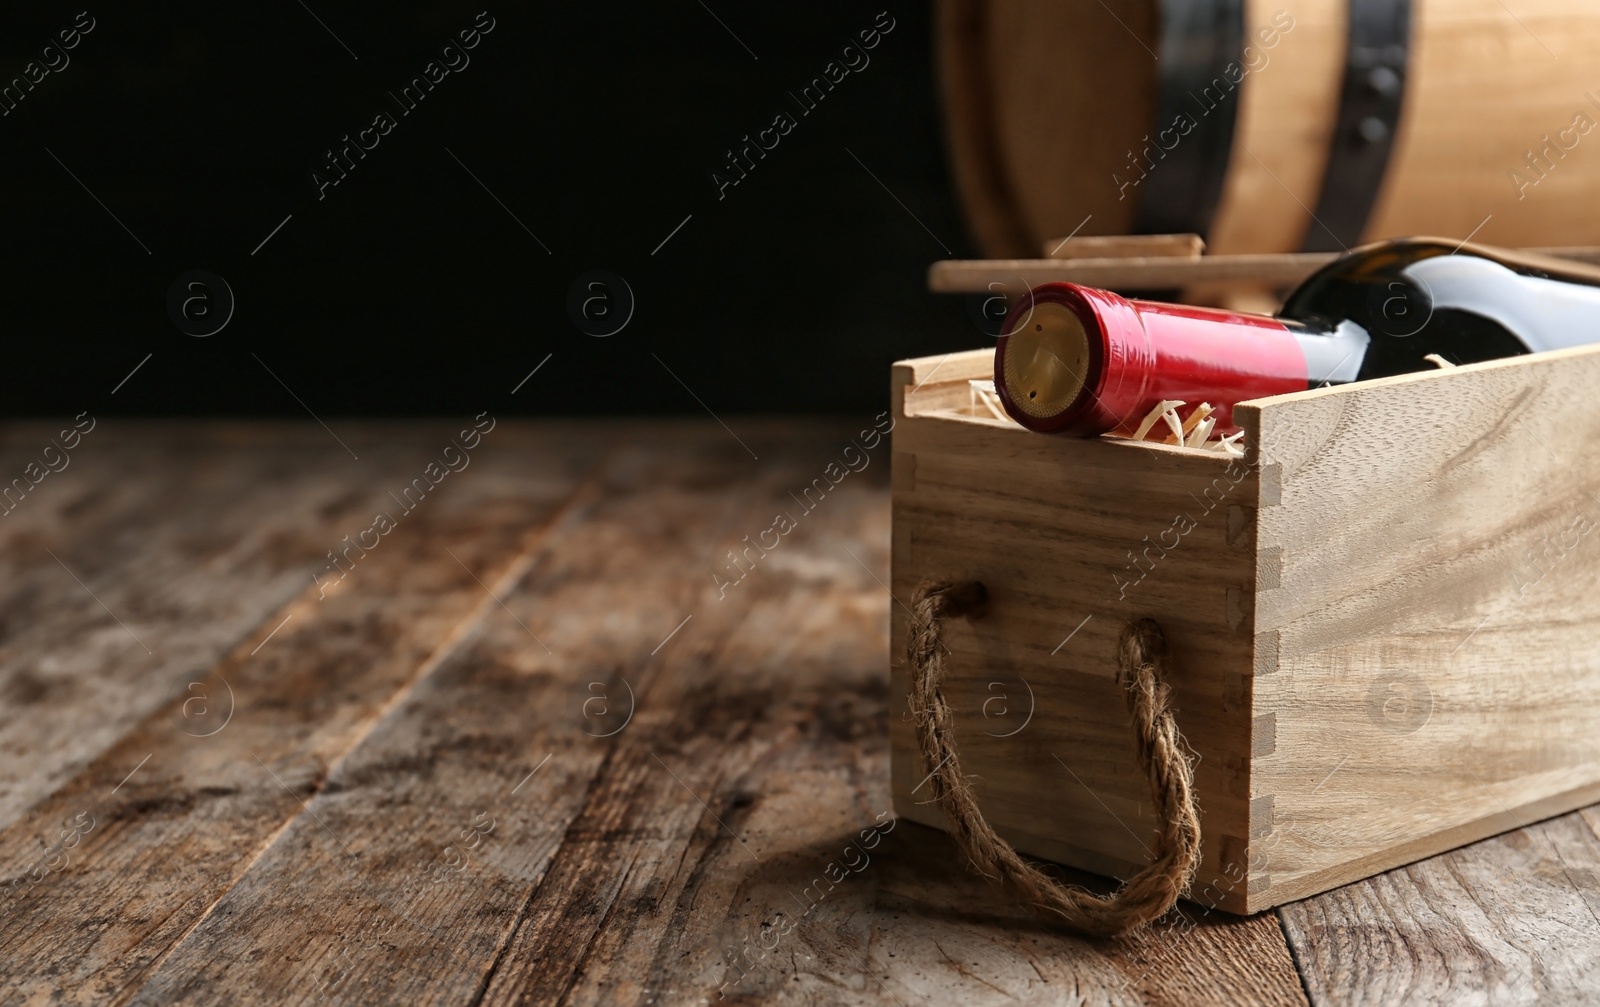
[{"x": 200, "y": 303}]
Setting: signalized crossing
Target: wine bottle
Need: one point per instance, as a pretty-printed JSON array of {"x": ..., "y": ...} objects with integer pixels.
[{"x": 1082, "y": 361}]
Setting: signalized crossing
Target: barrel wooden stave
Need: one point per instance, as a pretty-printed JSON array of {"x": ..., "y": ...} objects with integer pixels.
[
  {"x": 1045, "y": 101},
  {"x": 1287, "y": 109},
  {"x": 1482, "y": 92}
]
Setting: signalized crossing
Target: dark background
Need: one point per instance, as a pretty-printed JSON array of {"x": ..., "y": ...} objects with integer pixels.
[{"x": 408, "y": 288}]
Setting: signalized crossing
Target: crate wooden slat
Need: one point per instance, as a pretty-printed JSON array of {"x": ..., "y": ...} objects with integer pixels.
[
  {"x": 1155, "y": 269},
  {"x": 1125, "y": 246},
  {"x": 1376, "y": 557}
]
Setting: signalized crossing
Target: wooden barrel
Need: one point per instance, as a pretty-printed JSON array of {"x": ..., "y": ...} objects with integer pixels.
[{"x": 1268, "y": 129}]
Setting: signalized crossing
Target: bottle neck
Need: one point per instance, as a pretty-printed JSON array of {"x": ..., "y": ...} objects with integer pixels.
[{"x": 1333, "y": 354}]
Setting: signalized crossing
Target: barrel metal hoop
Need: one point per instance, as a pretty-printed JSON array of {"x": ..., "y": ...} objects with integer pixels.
[
  {"x": 1368, "y": 119},
  {"x": 1202, "y": 44}
]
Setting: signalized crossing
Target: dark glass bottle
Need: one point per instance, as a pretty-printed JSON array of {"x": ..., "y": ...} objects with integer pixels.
[
  {"x": 1466, "y": 304},
  {"x": 1076, "y": 360}
]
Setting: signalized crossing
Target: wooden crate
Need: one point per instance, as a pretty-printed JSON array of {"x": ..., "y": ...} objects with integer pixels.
[{"x": 1385, "y": 622}]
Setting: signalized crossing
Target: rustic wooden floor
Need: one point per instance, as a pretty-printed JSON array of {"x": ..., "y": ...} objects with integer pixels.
[{"x": 527, "y": 751}]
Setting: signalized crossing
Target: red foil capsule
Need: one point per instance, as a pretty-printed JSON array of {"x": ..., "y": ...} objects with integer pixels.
[{"x": 1078, "y": 360}]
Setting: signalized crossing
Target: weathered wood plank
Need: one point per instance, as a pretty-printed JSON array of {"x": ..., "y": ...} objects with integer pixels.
[
  {"x": 774, "y": 722},
  {"x": 169, "y": 840},
  {"x": 609, "y": 592},
  {"x": 1510, "y": 920},
  {"x": 191, "y": 537}
]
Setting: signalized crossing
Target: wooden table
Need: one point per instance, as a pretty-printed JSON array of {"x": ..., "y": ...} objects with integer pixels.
[{"x": 543, "y": 744}]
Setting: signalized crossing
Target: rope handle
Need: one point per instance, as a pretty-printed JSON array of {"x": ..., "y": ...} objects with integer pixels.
[{"x": 1141, "y": 650}]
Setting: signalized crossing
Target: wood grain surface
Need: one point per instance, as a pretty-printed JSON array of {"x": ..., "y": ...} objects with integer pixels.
[
  {"x": 1425, "y": 652},
  {"x": 549, "y": 742},
  {"x": 1146, "y": 271},
  {"x": 1471, "y": 120},
  {"x": 1124, "y": 246},
  {"x": 1512, "y": 920},
  {"x": 1288, "y": 108}
]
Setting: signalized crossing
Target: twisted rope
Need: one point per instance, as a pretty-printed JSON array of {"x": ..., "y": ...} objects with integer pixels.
[{"x": 1140, "y": 652}]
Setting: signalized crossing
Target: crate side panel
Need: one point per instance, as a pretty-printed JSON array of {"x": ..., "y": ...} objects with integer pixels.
[
  {"x": 1430, "y": 647},
  {"x": 1048, "y": 525}
]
